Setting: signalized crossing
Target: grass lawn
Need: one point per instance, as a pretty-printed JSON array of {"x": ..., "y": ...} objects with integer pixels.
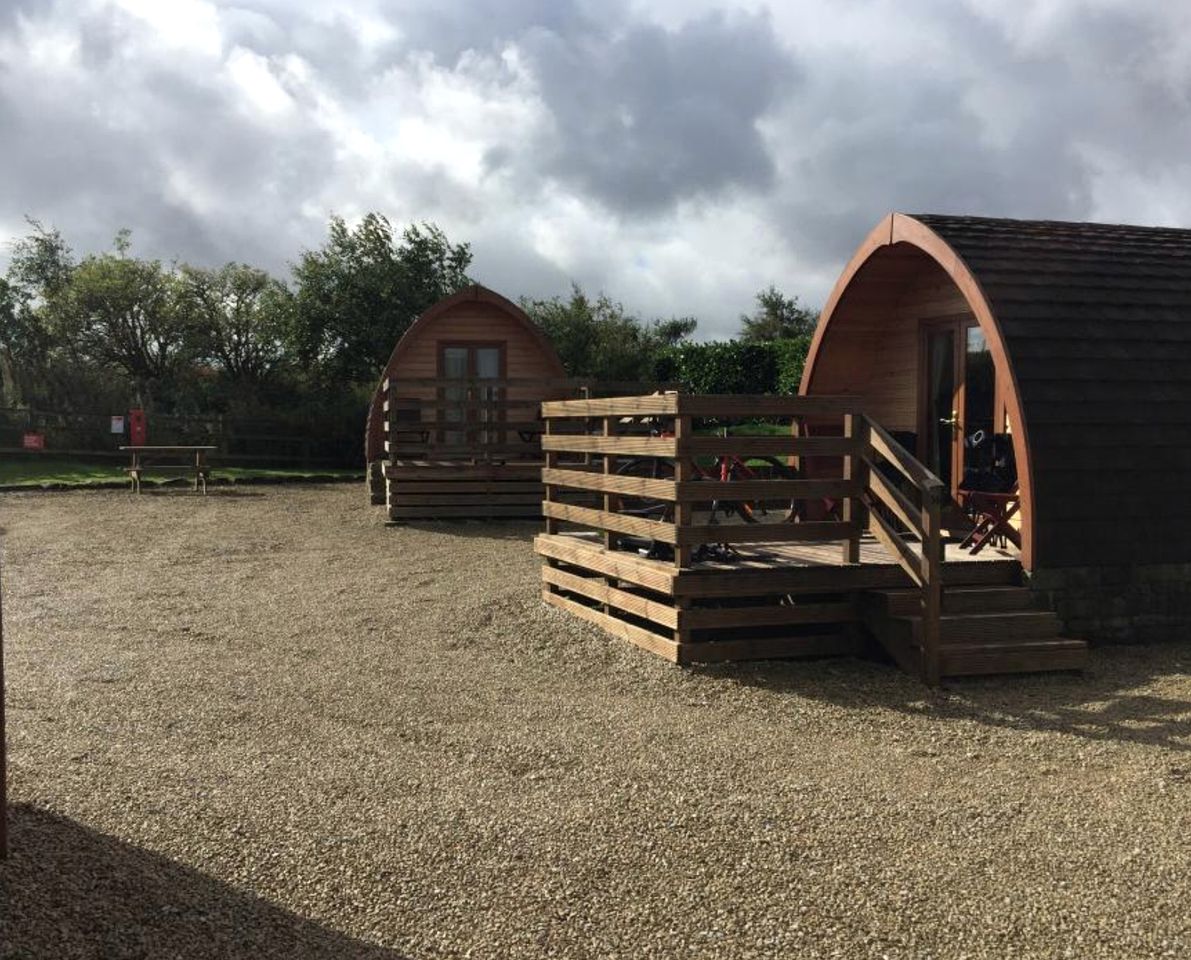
[{"x": 47, "y": 471}]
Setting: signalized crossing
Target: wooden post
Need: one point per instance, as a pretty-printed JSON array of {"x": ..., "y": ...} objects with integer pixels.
[
  {"x": 932, "y": 588},
  {"x": 549, "y": 491},
  {"x": 855, "y": 468},
  {"x": 390, "y": 457},
  {"x": 683, "y": 512},
  {"x": 611, "y": 540},
  {"x": 683, "y": 472}
]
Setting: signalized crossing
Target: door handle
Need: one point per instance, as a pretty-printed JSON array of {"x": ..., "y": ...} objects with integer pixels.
[{"x": 953, "y": 422}]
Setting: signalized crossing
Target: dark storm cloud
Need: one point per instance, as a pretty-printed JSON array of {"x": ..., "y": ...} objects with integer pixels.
[
  {"x": 641, "y": 117},
  {"x": 117, "y": 148},
  {"x": 992, "y": 126},
  {"x": 646, "y": 117}
]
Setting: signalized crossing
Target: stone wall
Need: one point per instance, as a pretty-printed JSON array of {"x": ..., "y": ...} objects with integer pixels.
[{"x": 1120, "y": 604}]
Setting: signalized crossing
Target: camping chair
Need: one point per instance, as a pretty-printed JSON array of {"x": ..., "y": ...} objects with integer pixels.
[{"x": 989, "y": 493}]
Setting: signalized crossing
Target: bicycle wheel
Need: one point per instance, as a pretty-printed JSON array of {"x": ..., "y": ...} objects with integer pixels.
[
  {"x": 755, "y": 510},
  {"x": 637, "y": 505}
]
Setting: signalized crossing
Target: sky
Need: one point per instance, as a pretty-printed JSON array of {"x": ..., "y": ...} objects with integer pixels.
[{"x": 679, "y": 155}]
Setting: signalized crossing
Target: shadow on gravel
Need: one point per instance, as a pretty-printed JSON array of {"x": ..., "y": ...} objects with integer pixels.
[
  {"x": 524, "y": 530},
  {"x": 1107, "y": 702},
  {"x": 66, "y": 891}
]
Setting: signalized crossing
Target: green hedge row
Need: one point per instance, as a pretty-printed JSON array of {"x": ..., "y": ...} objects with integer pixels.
[{"x": 735, "y": 366}]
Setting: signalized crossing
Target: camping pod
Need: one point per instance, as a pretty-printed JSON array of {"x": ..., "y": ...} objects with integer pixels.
[
  {"x": 453, "y": 428},
  {"x": 1070, "y": 345}
]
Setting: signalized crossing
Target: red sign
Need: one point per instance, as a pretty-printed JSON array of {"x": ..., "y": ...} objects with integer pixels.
[
  {"x": 33, "y": 441},
  {"x": 138, "y": 428}
]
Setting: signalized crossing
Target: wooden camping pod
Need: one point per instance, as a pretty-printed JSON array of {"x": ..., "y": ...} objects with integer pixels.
[
  {"x": 1084, "y": 332},
  {"x": 454, "y": 429},
  {"x": 475, "y": 315},
  {"x": 1089, "y": 331}
]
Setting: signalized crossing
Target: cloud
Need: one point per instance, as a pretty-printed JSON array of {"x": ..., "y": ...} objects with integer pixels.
[
  {"x": 679, "y": 154},
  {"x": 643, "y": 117}
]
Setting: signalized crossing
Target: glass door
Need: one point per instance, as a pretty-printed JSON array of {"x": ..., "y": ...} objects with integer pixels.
[
  {"x": 471, "y": 400},
  {"x": 940, "y": 415},
  {"x": 487, "y": 367},
  {"x": 960, "y": 400},
  {"x": 977, "y": 404},
  {"x": 454, "y": 366}
]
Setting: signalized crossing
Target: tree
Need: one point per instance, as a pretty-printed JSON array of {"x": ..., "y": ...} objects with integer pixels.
[
  {"x": 597, "y": 338},
  {"x": 777, "y": 317},
  {"x": 126, "y": 313},
  {"x": 240, "y": 316},
  {"x": 42, "y": 264},
  {"x": 362, "y": 289},
  {"x": 38, "y": 272}
]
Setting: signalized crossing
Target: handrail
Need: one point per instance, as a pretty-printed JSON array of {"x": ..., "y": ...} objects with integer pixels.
[{"x": 925, "y": 569}]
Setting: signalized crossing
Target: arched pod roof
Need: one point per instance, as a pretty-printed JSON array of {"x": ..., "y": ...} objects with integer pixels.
[
  {"x": 1091, "y": 323},
  {"x": 440, "y": 314}
]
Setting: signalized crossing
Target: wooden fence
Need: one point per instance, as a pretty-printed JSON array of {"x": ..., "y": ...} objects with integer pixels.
[
  {"x": 702, "y": 546},
  {"x": 240, "y": 440},
  {"x": 470, "y": 447}
]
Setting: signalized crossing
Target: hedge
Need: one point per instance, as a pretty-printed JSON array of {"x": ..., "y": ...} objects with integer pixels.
[{"x": 735, "y": 366}]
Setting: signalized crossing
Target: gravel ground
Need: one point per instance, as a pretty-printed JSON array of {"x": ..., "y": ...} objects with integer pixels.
[{"x": 261, "y": 723}]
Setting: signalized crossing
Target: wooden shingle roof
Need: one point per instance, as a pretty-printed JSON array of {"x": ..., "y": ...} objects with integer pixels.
[{"x": 1096, "y": 320}]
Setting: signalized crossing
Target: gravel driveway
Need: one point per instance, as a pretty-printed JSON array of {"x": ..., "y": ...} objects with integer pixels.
[{"x": 261, "y": 724}]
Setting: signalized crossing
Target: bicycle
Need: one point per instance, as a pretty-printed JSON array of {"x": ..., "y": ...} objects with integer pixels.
[{"x": 725, "y": 468}]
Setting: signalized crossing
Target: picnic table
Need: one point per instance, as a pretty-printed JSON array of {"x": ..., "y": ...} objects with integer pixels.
[{"x": 146, "y": 457}]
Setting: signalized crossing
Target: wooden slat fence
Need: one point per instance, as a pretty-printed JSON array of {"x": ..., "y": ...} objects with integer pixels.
[
  {"x": 470, "y": 447},
  {"x": 650, "y": 470}
]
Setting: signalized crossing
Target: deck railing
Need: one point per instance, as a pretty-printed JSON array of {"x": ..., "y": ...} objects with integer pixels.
[
  {"x": 597, "y": 446},
  {"x": 838, "y": 485},
  {"x": 883, "y": 462},
  {"x": 440, "y": 418}
]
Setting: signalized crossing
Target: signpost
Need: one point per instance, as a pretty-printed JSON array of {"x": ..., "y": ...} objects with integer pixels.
[{"x": 33, "y": 441}]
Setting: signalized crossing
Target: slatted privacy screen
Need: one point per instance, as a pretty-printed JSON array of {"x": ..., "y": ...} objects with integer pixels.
[
  {"x": 470, "y": 447},
  {"x": 668, "y": 469}
]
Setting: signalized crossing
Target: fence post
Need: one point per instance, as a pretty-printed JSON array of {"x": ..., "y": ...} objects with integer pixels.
[
  {"x": 683, "y": 472},
  {"x": 549, "y": 491},
  {"x": 855, "y": 469},
  {"x": 3, "y": 746},
  {"x": 932, "y": 588},
  {"x": 611, "y": 540}
]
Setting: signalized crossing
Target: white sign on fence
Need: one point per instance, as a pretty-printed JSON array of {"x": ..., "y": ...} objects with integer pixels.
[{"x": 117, "y": 424}]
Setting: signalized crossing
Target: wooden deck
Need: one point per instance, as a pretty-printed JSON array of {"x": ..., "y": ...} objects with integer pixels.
[
  {"x": 678, "y": 581},
  {"x": 799, "y": 600},
  {"x": 829, "y": 554}
]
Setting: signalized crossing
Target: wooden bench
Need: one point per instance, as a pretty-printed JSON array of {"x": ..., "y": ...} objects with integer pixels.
[{"x": 148, "y": 458}]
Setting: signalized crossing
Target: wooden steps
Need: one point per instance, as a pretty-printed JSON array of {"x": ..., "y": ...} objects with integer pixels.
[{"x": 983, "y": 630}]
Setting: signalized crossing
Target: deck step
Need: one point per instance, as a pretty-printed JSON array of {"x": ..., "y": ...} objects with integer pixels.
[
  {"x": 1028, "y": 656},
  {"x": 983, "y": 629},
  {"x": 980, "y": 599},
  {"x": 968, "y": 628},
  {"x": 991, "y": 643},
  {"x": 958, "y": 628},
  {"x": 990, "y": 599}
]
